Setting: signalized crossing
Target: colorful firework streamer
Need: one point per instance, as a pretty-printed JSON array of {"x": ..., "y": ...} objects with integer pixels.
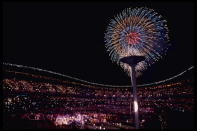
[{"x": 137, "y": 32}]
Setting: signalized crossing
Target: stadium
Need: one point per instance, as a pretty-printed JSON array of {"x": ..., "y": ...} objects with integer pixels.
[
  {"x": 98, "y": 65},
  {"x": 36, "y": 98}
]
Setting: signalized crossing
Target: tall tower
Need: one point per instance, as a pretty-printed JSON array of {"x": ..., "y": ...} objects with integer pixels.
[{"x": 132, "y": 62}]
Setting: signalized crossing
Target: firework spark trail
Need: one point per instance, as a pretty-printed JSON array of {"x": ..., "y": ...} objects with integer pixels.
[
  {"x": 138, "y": 31},
  {"x": 93, "y": 83}
]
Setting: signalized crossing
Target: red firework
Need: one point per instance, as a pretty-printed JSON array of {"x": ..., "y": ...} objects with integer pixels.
[{"x": 132, "y": 38}]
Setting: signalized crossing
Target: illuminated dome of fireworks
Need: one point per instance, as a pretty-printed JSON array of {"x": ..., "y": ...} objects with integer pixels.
[{"x": 137, "y": 32}]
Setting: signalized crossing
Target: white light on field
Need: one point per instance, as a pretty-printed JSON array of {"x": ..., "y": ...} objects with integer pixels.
[{"x": 135, "y": 106}]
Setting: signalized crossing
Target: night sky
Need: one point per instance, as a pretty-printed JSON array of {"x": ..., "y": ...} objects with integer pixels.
[{"x": 69, "y": 38}]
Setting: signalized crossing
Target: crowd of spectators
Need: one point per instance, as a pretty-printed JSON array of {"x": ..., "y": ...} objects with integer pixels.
[{"x": 96, "y": 105}]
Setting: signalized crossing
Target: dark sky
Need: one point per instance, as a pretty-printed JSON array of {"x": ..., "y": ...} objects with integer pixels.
[{"x": 69, "y": 38}]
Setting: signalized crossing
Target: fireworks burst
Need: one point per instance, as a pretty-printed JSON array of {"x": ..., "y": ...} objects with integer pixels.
[{"x": 139, "y": 32}]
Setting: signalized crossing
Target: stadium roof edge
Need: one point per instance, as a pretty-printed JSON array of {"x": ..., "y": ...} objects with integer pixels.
[{"x": 93, "y": 83}]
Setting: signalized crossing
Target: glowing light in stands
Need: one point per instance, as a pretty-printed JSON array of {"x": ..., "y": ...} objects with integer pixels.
[{"x": 135, "y": 106}]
